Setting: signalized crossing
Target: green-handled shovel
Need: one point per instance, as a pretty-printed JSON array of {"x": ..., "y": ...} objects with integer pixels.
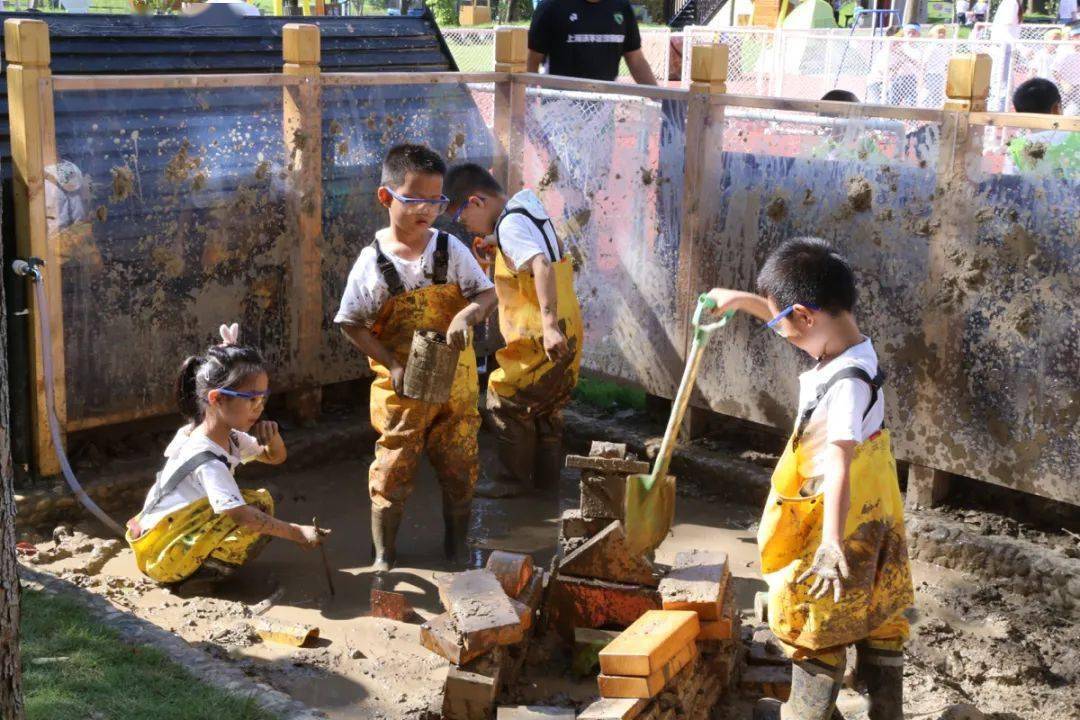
[{"x": 650, "y": 499}]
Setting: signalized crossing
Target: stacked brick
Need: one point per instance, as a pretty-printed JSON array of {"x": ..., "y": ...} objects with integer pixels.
[
  {"x": 597, "y": 583},
  {"x": 484, "y": 632}
]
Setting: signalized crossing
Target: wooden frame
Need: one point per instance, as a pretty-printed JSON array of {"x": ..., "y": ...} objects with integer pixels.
[{"x": 67, "y": 83}]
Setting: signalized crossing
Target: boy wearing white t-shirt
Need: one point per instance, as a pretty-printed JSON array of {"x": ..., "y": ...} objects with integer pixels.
[
  {"x": 413, "y": 277},
  {"x": 831, "y": 538},
  {"x": 540, "y": 321}
]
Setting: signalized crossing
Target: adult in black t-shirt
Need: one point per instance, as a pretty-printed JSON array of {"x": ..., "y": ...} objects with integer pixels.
[{"x": 586, "y": 39}]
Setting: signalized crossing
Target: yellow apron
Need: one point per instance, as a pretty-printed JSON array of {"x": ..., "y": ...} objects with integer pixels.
[
  {"x": 879, "y": 588},
  {"x": 179, "y": 543},
  {"x": 525, "y": 377},
  {"x": 408, "y": 427}
]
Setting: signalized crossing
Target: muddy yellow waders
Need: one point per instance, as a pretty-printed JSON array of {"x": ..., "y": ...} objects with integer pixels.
[
  {"x": 407, "y": 427},
  {"x": 527, "y": 392}
]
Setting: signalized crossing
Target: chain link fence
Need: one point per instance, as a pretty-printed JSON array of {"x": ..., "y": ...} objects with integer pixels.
[{"x": 907, "y": 72}]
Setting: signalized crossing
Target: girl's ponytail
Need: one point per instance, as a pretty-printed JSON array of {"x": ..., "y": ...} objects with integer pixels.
[{"x": 186, "y": 391}]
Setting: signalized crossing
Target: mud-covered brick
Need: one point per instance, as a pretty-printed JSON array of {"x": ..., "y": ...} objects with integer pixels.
[
  {"x": 285, "y": 634},
  {"x": 614, "y": 709},
  {"x": 573, "y": 525},
  {"x": 441, "y": 637},
  {"x": 602, "y": 466},
  {"x": 603, "y": 496},
  {"x": 534, "y": 712},
  {"x": 481, "y": 610},
  {"x": 581, "y": 602},
  {"x": 767, "y": 681},
  {"x": 514, "y": 570},
  {"x": 604, "y": 449},
  {"x": 389, "y": 605},
  {"x": 469, "y": 695},
  {"x": 605, "y": 556},
  {"x": 697, "y": 581},
  {"x": 533, "y": 593}
]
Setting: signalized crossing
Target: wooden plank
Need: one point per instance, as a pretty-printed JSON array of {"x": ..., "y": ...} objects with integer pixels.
[
  {"x": 30, "y": 113},
  {"x": 819, "y": 107},
  {"x": 605, "y": 556},
  {"x": 68, "y": 83},
  {"x": 627, "y": 686},
  {"x": 514, "y": 570},
  {"x": 614, "y": 709},
  {"x": 302, "y": 125},
  {"x": 607, "y": 465},
  {"x": 481, "y": 610},
  {"x": 1029, "y": 121},
  {"x": 412, "y": 78},
  {"x": 511, "y": 50},
  {"x": 696, "y": 581},
  {"x": 534, "y": 712},
  {"x": 647, "y": 645},
  {"x": 602, "y": 87}
]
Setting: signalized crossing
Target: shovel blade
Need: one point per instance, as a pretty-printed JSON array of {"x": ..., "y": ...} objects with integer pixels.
[{"x": 650, "y": 510}]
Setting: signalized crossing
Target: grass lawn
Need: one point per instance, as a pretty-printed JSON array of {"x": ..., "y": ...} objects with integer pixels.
[{"x": 104, "y": 678}]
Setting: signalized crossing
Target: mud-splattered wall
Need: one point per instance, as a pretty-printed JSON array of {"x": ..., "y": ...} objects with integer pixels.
[{"x": 169, "y": 210}]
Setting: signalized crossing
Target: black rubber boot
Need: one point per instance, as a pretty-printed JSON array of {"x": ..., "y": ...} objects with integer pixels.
[
  {"x": 455, "y": 540},
  {"x": 515, "y": 448},
  {"x": 814, "y": 687},
  {"x": 882, "y": 672},
  {"x": 384, "y": 529},
  {"x": 547, "y": 468}
]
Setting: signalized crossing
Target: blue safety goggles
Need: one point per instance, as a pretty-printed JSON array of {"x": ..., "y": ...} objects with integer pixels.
[{"x": 419, "y": 204}]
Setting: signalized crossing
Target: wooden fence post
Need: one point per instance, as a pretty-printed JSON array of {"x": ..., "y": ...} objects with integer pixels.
[
  {"x": 302, "y": 124},
  {"x": 511, "y": 50},
  {"x": 704, "y": 128},
  {"x": 33, "y": 146}
]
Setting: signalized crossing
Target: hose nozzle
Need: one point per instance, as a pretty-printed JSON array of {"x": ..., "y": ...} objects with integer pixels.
[{"x": 28, "y": 268}]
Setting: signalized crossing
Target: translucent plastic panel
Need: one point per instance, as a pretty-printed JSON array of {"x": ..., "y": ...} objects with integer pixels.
[
  {"x": 360, "y": 124},
  {"x": 610, "y": 170},
  {"x": 168, "y": 210}
]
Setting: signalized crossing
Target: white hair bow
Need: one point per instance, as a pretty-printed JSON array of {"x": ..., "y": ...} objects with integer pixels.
[{"x": 230, "y": 334}]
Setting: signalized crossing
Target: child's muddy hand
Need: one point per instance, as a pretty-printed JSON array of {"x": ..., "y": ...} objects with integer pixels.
[
  {"x": 555, "y": 346},
  {"x": 311, "y": 537},
  {"x": 725, "y": 299},
  {"x": 265, "y": 431},
  {"x": 457, "y": 335},
  {"x": 397, "y": 379},
  {"x": 830, "y": 568}
]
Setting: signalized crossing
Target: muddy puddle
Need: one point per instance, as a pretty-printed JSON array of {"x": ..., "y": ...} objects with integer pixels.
[{"x": 365, "y": 667}]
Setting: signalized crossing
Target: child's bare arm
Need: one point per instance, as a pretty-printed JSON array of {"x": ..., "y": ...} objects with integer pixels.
[
  {"x": 830, "y": 565},
  {"x": 368, "y": 344},
  {"x": 457, "y": 335},
  {"x": 254, "y": 519},
  {"x": 739, "y": 300},
  {"x": 266, "y": 432},
  {"x": 544, "y": 278}
]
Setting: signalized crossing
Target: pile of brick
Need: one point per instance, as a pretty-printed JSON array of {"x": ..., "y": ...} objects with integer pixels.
[
  {"x": 484, "y": 632},
  {"x": 598, "y": 583},
  {"x": 768, "y": 670}
]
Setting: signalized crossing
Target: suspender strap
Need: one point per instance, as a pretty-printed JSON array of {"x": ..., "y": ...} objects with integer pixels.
[
  {"x": 847, "y": 373},
  {"x": 161, "y": 489},
  {"x": 538, "y": 222},
  {"x": 388, "y": 271},
  {"x": 442, "y": 259}
]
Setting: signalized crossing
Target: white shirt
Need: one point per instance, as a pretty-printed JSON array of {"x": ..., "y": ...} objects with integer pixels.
[
  {"x": 962, "y": 6},
  {"x": 981, "y": 7},
  {"x": 242, "y": 7},
  {"x": 366, "y": 290},
  {"x": 1066, "y": 10},
  {"x": 519, "y": 237},
  {"x": 212, "y": 480},
  {"x": 839, "y": 415}
]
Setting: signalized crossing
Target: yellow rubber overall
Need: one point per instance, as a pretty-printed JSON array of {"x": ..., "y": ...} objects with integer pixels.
[
  {"x": 408, "y": 427},
  {"x": 178, "y": 545},
  {"x": 878, "y": 590}
]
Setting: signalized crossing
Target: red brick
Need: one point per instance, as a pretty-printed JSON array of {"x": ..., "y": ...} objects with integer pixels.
[
  {"x": 389, "y": 605},
  {"x": 581, "y": 602}
]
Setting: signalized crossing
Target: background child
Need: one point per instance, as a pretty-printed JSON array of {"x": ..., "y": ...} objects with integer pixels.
[
  {"x": 415, "y": 278},
  {"x": 540, "y": 320},
  {"x": 832, "y": 538},
  {"x": 196, "y": 523}
]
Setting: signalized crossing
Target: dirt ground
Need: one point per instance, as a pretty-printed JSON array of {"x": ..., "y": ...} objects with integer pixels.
[{"x": 1010, "y": 658}]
